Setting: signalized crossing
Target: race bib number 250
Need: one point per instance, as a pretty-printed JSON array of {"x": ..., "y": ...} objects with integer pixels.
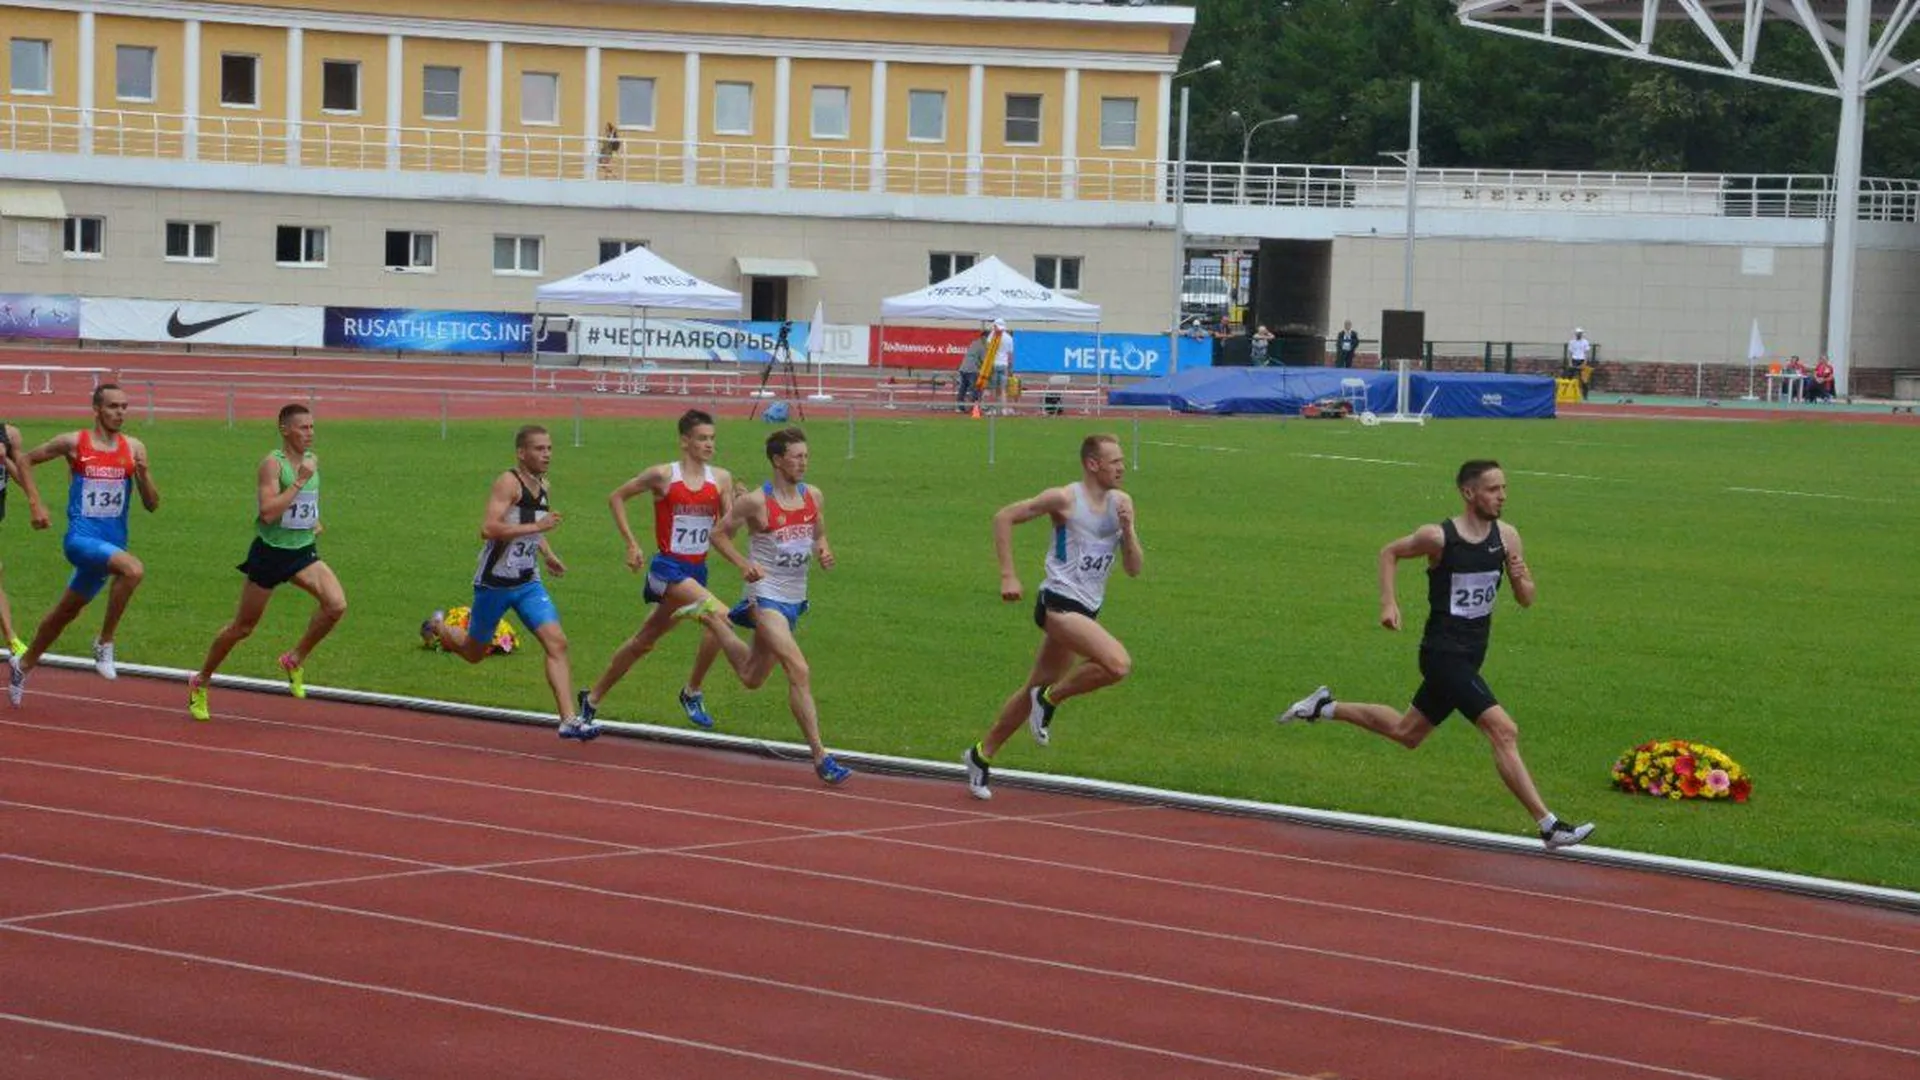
[{"x": 1472, "y": 594}]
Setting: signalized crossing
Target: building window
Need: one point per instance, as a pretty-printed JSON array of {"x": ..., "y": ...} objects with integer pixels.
[
  {"x": 300, "y": 245},
  {"x": 440, "y": 93},
  {"x": 832, "y": 112},
  {"x": 84, "y": 236},
  {"x": 942, "y": 265},
  {"x": 516, "y": 254},
  {"x": 340, "y": 86},
  {"x": 1023, "y": 120},
  {"x": 1060, "y": 272},
  {"x": 613, "y": 249},
  {"x": 1119, "y": 123},
  {"x": 409, "y": 250},
  {"x": 133, "y": 73},
  {"x": 539, "y": 97},
  {"x": 32, "y": 66},
  {"x": 192, "y": 241},
  {"x": 927, "y": 115},
  {"x": 240, "y": 80},
  {"x": 733, "y": 108},
  {"x": 636, "y": 102}
]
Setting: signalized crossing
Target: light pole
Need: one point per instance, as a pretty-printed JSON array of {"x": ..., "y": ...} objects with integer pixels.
[
  {"x": 1180, "y": 219},
  {"x": 1246, "y": 145},
  {"x": 1411, "y": 159}
]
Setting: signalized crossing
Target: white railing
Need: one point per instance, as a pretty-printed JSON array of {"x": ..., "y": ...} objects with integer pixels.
[{"x": 58, "y": 129}]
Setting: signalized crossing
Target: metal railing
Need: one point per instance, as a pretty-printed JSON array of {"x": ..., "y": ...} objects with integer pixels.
[{"x": 249, "y": 140}]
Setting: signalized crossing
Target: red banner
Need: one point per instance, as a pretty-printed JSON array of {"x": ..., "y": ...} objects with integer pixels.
[{"x": 920, "y": 346}]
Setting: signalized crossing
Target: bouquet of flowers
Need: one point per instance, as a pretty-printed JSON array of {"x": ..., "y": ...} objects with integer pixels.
[
  {"x": 1679, "y": 769},
  {"x": 504, "y": 640}
]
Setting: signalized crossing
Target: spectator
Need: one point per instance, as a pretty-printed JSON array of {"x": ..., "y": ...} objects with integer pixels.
[
  {"x": 1820, "y": 387},
  {"x": 1580, "y": 360},
  {"x": 1262, "y": 339},
  {"x": 967, "y": 379},
  {"x": 999, "y": 362},
  {"x": 1792, "y": 389},
  {"x": 1346, "y": 345},
  {"x": 609, "y": 147}
]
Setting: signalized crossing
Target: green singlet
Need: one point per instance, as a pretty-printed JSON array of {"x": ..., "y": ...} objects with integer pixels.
[{"x": 294, "y": 529}]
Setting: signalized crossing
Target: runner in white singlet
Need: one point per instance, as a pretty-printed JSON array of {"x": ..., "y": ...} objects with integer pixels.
[{"x": 1092, "y": 526}]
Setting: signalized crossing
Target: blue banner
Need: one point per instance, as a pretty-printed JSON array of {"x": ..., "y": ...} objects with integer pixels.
[
  {"x": 1073, "y": 352},
  {"x": 40, "y": 316},
  {"x": 418, "y": 330}
]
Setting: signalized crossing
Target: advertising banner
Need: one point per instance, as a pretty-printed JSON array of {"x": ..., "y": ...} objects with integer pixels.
[
  {"x": 418, "y": 330},
  {"x": 710, "y": 340},
  {"x": 191, "y": 322},
  {"x": 39, "y": 316},
  {"x": 926, "y": 347}
]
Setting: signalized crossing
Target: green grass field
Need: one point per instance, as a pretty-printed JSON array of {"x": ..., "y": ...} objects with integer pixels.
[{"x": 1680, "y": 595}]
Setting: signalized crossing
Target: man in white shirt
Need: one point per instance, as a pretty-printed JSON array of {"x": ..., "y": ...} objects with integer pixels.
[
  {"x": 999, "y": 360},
  {"x": 1579, "y": 359}
]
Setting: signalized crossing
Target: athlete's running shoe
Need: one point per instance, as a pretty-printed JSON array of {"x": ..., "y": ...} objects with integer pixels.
[
  {"x": 695, "y": 704},
  {"x": 197, "y": 698},
  {"x": 103, "y": 660},
  {"x": 16, "y": 680},
  {"x": 296, "y": 675},
  {"x": 1039, "y": 714},
  {"x": 831, "y": 772},
  {"x": 978, "y": 773},
  {"x": 586, "y": 709},
  {"x": 1561, "y": 834},
  {"x": 1315, "y": 706},
  {"x": 583, "y": 730},
  {"x": 707, "y": 605},
  {"x": 430, "y": 629}
]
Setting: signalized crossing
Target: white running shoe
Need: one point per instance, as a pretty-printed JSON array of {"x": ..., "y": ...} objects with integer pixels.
[
  {"x": 978, "y": 773},
  {"x": 1315, "y": 706},
  {"x": 1039, "y": 715},
  {"x": 1565, "y": 835},
  {"x": 16, "y": 681},
  {"x": 103, "y": 660}
]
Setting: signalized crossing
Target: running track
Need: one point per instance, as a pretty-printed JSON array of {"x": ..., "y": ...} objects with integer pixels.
[{"x": 304, "y": 888}]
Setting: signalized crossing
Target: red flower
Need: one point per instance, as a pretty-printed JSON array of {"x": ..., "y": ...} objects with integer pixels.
[
  {"x": 1683, "y": 765},
  {"x": 1690, "y": 786},
  {"x": 1741, "y": 789}
]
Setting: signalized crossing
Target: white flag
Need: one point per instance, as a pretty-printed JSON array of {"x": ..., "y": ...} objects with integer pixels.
[{"x": 1755, "y": 348}]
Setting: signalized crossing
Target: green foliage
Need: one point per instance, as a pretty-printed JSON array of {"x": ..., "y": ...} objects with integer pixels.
[
  {"x": 1677, "y": 599},
  {"x": 1494, "y": 101}
]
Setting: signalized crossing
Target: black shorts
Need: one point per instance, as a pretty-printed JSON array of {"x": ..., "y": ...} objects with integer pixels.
[
  {"x": 1451, "y": 682},
  {"x": 270, "y": 567},
  {"x": 1047, "y": 601}
]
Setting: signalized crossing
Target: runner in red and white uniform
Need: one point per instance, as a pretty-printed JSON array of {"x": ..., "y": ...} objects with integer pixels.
[
  {"x": 787, "y": 534},
  {"x": 690, "y": 496}
]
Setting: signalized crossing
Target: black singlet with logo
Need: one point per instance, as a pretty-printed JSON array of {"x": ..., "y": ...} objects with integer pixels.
[
  {"x": 1461, "y": 589},
  {"x": 517, "y": 554}
]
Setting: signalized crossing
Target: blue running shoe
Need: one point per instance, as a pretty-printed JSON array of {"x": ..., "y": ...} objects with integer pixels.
[
  {"x": 695, "y": 704},
  {"x": 584, "y": 730},
  {"x": 587, "y": 711},
  {"x": 831, "y": 772}
]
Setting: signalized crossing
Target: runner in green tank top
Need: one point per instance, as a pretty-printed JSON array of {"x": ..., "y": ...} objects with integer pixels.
[{"x": 285, "y": 549}]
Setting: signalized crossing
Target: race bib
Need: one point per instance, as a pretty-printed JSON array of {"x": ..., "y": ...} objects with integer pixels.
[
  {"x": 692, "y": 533},
  {"x": 522, "y": 551},
  {"x": 303, "y": 513},
  {"x": 1472, "y": 594},
  {"x": 102, "y": 498}
]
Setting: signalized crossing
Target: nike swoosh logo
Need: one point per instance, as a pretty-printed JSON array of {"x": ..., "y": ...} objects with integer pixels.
[{"x": 178, "y": 329}]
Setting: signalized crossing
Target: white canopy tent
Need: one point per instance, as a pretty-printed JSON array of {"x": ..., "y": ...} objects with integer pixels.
[
  {"x": 988, "y": 290},
  {"x": 639, "y": 281}
]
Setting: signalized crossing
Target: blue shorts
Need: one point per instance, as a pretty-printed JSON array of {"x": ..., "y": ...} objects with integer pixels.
[
  {"x": 665, "y": 570},
  {"x": 742, "y": 613},
  {"x": 529, "y": 601},
  {"x": 89, "y": 556}
]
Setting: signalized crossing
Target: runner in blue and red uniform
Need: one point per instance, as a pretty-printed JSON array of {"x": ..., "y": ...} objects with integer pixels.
[{"x": 106, "y": 466}]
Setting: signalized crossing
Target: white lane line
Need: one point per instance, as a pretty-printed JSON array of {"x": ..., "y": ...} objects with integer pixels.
[
  {"x": 204, "y": 1051},
  {"x": 1362, "y": 460},
  {"x": 437, "y": 999},
  {"x": 1195, "y": 446},
  {"x": 1806, "y": 494}
]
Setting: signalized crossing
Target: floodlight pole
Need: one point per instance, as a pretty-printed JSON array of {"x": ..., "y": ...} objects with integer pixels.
[
  {"x": 1180, "y": 222},
  {"x": 1413, "y": 193},
  {"x": 1846, "y": 207}
]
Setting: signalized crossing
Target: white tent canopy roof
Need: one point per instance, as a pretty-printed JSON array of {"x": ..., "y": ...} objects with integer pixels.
[
  {"x": 639, "y": 279},
  {"x": 990, "y": 289}
]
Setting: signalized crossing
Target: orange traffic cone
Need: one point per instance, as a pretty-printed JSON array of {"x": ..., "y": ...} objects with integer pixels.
[{"x": 976, "y": 410}]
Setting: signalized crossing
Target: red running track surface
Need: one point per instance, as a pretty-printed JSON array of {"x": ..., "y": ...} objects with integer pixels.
[{"x": 305, "y": 888}]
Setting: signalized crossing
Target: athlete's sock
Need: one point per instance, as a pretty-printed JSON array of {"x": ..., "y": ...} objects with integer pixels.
[
  {"x": 980, "y": 750},
  {"x": 1046, "y": 695},
  {"x": 1549, "y": 821}
]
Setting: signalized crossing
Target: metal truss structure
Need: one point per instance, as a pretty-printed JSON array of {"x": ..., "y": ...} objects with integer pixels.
[{"x": 1861, "y": 42}]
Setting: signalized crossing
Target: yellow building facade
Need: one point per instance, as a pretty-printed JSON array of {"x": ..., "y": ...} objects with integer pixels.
[{"x": 942, "y": 117}]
